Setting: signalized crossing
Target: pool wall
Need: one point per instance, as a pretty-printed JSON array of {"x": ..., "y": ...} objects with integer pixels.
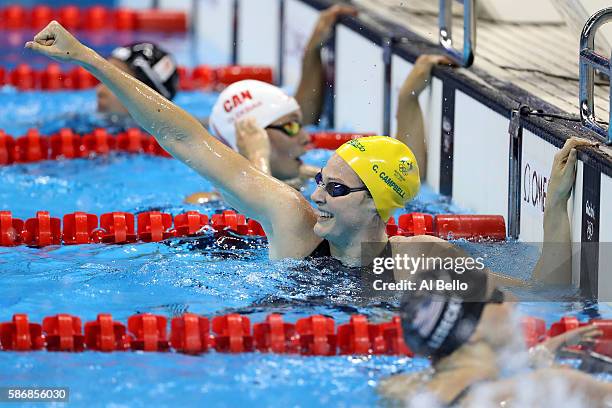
[{"x": 473, "y": 156}]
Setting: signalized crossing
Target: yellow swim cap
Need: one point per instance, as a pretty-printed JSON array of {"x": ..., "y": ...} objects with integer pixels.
[{"x": 387, "y": 167}]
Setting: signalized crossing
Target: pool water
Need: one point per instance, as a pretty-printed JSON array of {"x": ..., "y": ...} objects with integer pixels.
[{"x": 169, "y": 279}]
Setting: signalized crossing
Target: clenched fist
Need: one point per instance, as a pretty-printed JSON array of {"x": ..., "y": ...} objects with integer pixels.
[{"x": 56, "y": 42}]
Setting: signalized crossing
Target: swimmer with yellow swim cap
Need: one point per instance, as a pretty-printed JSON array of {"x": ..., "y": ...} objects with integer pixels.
[{"x": 363, "y": 183}]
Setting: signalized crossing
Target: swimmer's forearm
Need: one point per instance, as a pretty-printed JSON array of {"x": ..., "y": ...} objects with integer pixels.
[
  {"x": 160, "y": 117},
  {"x": 309, "y": 94},
  {"x": 180, "y": 134},
  {"x": 261, "y": 162},
  {"x": 411, "y": 129},
  {"x": 555, "y": 263}
]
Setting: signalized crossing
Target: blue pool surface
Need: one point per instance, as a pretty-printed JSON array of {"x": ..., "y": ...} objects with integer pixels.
[{"x": 170, "y": 279}]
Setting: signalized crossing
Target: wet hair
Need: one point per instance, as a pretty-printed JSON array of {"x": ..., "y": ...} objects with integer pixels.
[{"x": 151, "y": 65}]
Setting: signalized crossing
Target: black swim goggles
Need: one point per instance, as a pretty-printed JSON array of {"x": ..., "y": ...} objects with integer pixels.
[
  {"x": 290, "y": 128},
  {"x": 336, "y": 189}
]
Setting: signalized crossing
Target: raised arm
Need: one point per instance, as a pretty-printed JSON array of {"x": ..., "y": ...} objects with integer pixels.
[
  {"x": 310, "y": 90},
  {"x": 555, "y": 263},
  {"x": 410, "y": 124},
  {"x": 279, "y": 208}
]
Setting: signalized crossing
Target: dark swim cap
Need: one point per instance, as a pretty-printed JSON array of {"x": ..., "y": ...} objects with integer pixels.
[
  {"x": 151, "y": 65},
  {"x": 437, "y": 322}
]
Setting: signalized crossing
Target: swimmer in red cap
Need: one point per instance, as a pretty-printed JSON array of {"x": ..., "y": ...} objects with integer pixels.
[{"x": 359, "y": 187}]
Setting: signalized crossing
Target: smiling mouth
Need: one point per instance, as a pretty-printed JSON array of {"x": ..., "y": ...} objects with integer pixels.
[{"x": 324, "y": 215}]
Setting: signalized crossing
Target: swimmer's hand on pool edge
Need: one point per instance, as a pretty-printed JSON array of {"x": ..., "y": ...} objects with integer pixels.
[
  {"x": 555, "y": 263},
  {"x": 327, "y": 19},
  {"x": 253, "y": 143},
  {"x": 310, "y": 90},
  {"x": 418, "y": 79},
  {"x": 563, "y": 173},
  {"x": 410, "y": 121}
]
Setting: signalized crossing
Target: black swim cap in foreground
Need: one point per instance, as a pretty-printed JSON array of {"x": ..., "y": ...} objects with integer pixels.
[
  {"x": 151, "y": 65},
  {"x": 437, "y": 322}
]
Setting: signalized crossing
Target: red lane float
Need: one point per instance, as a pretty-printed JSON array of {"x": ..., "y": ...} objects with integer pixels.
[
  {"x": 95, "y": 18},
  {"x": 449, "y": 226},
  {"x": 333, "y": 140},
  {"x": 11, "y": 229},
  {"x": 275, "y": 336},
  {"x": 78, "y": 228},
  {"x": 63, "y": 333},
  {"x": 52, "y": 78},
  {"x": 21, "y": 335},
  {"x": 226, "y": 76},
  {"x": 566, "y": 323},
  {"x": 42, "y": 231},
  {"x": 104, "y": 334},
  {"x": 354, "y": 337},
  {"x": 125, "y": 19},
  {"x": 191, "y": 334},
  {"x": 202, "y": 77},
  {"x": 361, "y": 337},
  {"x": 69, "y": 17},
  {"x": 66, "y": 144},
  {"x": 117, "y": 228},
  {"x": 317, "y": 336},
  {"x": 149, "y": 332},
  {"x": 154, "y": 226},
  {"x": 470, "y": 227},
  {"x": 411, "y": 224},
  {"x": 99, "y": 142},
  {"x": 393, "y": 337},
  {"x": 80, "y": 78},
  {"x": 13, "y": 17},
  {"x": 232, "y": 333},
  {"x": 40, "y": 16},
  {"x": 31, "y": 147},
  {"x": 189, "y": 223},
  {"x": 164, "y": 21},
  {"x": 534, "y": 330},
  {"x": 7, "y": 149},
  {"x": 23, "y": 77}
]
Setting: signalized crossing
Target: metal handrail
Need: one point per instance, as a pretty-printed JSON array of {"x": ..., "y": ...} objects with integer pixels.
[
  {"x": 589, "y": 62},
  {"x": 464, "y": 58}
]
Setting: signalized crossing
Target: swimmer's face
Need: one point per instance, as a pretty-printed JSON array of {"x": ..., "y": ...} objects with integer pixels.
[
  {"x": 285, "y": 150},
  {"x": 496, "y": 326},
  {"x": 107, "y": 101},
  {"x": 341, "y": 218}
]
